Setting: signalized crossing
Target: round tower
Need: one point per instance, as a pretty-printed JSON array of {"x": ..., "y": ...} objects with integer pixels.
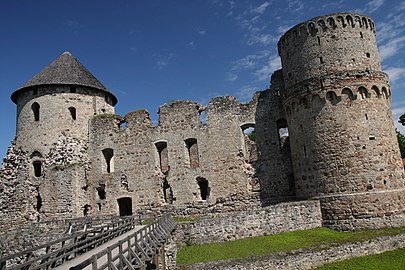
[
  {"x": 338, "y": 106},
  {"x": 58, "y": 101}
]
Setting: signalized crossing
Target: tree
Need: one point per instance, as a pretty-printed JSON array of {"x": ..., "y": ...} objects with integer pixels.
[
  {"x": 401, "y": 142},
  {"x": 402, "y": 119},
  {"x": 401, "y": 137}
]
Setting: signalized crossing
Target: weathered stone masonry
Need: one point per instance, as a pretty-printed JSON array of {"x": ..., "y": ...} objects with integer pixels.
[{"x": 323, "y": 130}]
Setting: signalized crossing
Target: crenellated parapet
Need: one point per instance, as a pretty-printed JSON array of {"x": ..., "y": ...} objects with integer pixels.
[{"x": 324, "y": 45}]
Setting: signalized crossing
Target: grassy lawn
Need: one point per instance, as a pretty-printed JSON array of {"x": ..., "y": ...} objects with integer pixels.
[
  {"x": 262, "y": 245},
  {"x": 390, "y": 260}
]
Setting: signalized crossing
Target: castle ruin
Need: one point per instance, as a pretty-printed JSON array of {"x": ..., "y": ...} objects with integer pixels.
[{"x": 323, "y": 130}]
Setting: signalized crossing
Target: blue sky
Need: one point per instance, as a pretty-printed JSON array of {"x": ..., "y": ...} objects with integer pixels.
[{"x": 150, "y": 52}]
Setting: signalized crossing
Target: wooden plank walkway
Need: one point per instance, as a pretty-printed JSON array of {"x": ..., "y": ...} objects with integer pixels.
[{"x": 87, "y": 256}]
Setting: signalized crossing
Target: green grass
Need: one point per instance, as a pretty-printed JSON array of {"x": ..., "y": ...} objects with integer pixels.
[
  {"x": 390, "y": 260},
  {"x": 263, "y": 245}
]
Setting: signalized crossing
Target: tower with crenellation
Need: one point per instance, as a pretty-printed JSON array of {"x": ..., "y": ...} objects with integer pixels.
[{"x": 337, "y": 101}]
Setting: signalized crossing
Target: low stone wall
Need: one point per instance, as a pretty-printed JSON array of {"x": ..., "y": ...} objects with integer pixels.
[
  {"x": 305, "y": 258},
  {"x": 283, "y": 217}
]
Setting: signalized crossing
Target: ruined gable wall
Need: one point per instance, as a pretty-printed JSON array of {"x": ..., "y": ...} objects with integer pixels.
[{"x": 154, "y": 178}]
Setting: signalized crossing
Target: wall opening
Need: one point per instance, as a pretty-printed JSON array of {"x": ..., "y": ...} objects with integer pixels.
[
  {"x": 39, "y": 201},
  {"x": 101, "y": 192},
  {"x": 35, "y": 109},
  {"x": 35, "y": 91},
  {"x": 72, "y": 89},
  {"x": 125, "y": 206},
  {"x": 282, "y": 129},
  {"x": 37, "y": 168},
  {"x": 203, "y": 116},
  {"x": 250, "y": 142},
  {"x": 192, "y": 149},
  {"x": 86, "y": 209},
  {"x": 204, "y": 187},
  {"x": 167, "y": 192},
  {"x": 72, "y": 111},
  {"x": 163, "y": 156},
  {"x": 108, "y": 154},
  {"x": 363, "y": 93},
  {"x": 332, "y": 97}
]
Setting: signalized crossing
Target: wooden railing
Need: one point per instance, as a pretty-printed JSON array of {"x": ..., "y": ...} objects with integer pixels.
[
  {"x": 135, "y": 251},
  {"x": 56, "y": 252}
]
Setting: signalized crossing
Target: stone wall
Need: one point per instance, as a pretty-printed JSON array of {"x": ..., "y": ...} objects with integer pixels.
[
  {"x": 283, "y": 217},
  {"x": 157, "y": 170},
  {"x": 307, "y": 258}
]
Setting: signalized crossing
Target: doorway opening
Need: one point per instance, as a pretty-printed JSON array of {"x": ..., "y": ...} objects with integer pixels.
[{"x": 125, "y": 206}]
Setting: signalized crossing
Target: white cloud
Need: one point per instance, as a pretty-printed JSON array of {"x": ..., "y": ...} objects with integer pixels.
[
  {"x": 263, "y": 39},
  {"x": 395, "y": 73},
  {"x": 191, "y": 44},
  {"x": 374, "y": 5},
  {"x": 295, "y": 5},
  {"x": 245, "y": 93},
  {"x": 391, "y": 47},
  {"x": 264, "y": 73},
  {"x": 262, "y": 8},
  {"x": 249, "y": 62},
  {"x": 202, "y": 32}
]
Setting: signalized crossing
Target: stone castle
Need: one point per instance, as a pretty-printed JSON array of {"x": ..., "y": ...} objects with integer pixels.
[{"x": 323, "y": 130}]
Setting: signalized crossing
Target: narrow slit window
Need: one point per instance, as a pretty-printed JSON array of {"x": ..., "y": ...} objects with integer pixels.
[
  {"x": 108, "y": 154},
  {"x": 204, "y": 188},
  {"x": 192, "y": 149},
  {"x": 35, "y": 109},
  {"x": 37, "y": 168},
  {"x": 161, "y": 148},
  {"x": 72, "y": 111}
]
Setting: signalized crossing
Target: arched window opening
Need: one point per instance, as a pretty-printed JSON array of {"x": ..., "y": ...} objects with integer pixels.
[
  {"x": 37, "y": 164},
  {"x": 332, "y": 97},
  {"x": 192, "y": 149},
  {"x": 365, "y": 22},
  {"x": 347, "y": 93},
  {"x": 363, "y": 93},
  {"x": 385, "y": 92},
  {"x": 163, "y": 153},
  {"x": 36, "y": 154},
  {"x": 204, "y": 188},
  {"x": 282, "y": 129},
  {"x": 35, "y": 109},
  {"x": 72, "y": 89},
  {"x": 72, "y": 111},
  {"x": 108, "y": 154},
  {"x": 101, "y": 192},
  {"x": 376, "y": 92},
  {"x": 331, "y": 22},
  {"x": 312, "y": 28},
  {"x": 350, "y": 20},
  {"x": 368, "y": 55},
  {"x": 341, "y": 20},
  {"x": 317, "y": 102}
]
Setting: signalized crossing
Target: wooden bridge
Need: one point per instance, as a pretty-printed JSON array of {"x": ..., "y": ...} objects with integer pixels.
[{"x": 119, "y": 244}]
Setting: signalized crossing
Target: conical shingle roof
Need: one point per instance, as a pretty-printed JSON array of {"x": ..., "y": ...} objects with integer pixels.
[{"x": 65, "y": 70}]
